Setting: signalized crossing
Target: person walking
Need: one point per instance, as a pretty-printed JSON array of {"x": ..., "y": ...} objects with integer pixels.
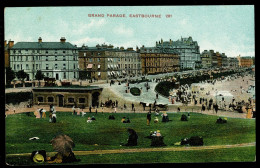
[
  {"x": 216, "y": 108},
  {"x": 203, "y": 108},
  {"x": 133, "y": 106},
  {"x": 148, "y": 117},
  {"x": 90, "y": 109}
]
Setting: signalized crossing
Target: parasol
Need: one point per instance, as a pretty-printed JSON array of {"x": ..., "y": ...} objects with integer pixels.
[{"x": 62, "y": 144}]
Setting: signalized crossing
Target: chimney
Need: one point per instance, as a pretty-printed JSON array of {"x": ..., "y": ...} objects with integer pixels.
[
  {"x": 10, "y": 44},
  {"x": 130, "y": 49},
  {"x": 62, "y": 39},
  {"x": 40, "y": 40}
]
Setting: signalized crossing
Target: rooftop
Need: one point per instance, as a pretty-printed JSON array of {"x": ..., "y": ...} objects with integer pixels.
[{"x": 43, "y": 45}]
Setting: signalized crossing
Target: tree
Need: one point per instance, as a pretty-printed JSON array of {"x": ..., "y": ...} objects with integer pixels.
[
  {"x": 10, "y": 75},
  {"x": 21, "y": 75},
  {"x": 39, "y": 75}
]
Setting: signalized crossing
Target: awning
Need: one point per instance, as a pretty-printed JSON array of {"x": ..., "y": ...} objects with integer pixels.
[
  {"x": 108, "y": 72},
  {"x": 108, "y": 66},
  {"x": 118, "y": 73},
  {"x": 90, "y": 66},
  {"x": 123, "y": 71},
  {"x": 98, "y": 73},
  {"x": 113, "y": 73},
  {"x": 112, "y": 66},
  {"x": 98, "y": 66}
]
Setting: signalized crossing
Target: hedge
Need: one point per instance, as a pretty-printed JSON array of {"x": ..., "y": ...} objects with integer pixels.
[
  {"x": 164, "y": 88},
  {"x": 16, "y": 98},
  {"x": 135, "y": 91}
]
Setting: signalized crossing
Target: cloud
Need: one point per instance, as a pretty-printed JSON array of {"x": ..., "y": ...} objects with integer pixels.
[
  {"x": 80, "y": 28},
  {"x": 123, "y": 30},
  {"x": 89, "y": 41}
]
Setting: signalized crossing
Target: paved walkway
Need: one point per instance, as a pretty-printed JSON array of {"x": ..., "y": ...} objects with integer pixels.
[{"x": 162, "y": 149}]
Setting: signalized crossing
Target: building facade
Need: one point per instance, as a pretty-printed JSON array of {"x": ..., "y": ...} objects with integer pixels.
[
  {"x": 67, "y": 97},
  {"x": 57, "y": 60},
  {"x": 206, "y": 59},
  {"x": 189, "y": 52},
  {"x": 232, "y": 62},
  {"x": 159, "y": 59},
  {"x": 245, "y": 61},
  {"x": 106, "y": 62},
  {"x": 219, "y": 59},
  {"x": 224, "y": 60},
  {"x": 8, "y": 46}
]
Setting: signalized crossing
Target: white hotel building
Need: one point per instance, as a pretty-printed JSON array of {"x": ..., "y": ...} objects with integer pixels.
[{"x": 57, "y": 60}]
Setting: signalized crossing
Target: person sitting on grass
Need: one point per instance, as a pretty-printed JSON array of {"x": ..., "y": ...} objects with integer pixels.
[
  {"x": 63, "y": 144},
  {"x": 184, "y": 117},
  {"x": 126, "y": 121},
  {"x": 157, "y": 139},
  {"x": 111, "y": 117},
  {"x": 132, "y": 139},
  {"x": 165, "y": 117},
  {"x": 156, "y": 120},
  {"x": 89, "y": 120},
  {"x": 123, "y": 120}
]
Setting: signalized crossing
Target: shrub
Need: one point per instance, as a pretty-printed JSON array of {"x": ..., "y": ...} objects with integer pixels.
[
  {"x": 135, "y": 91},
  {"x": 16, "y": 98},
  {"x": 164, "y": 88}
]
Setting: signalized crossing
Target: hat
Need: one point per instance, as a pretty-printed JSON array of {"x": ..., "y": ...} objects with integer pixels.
[{"x": 38, "y": 158}]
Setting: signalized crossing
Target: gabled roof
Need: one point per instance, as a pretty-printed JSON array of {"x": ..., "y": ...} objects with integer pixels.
[{"x": 43, "y": 45}]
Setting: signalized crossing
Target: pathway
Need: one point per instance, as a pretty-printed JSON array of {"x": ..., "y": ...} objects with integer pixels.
[{"x": 162, "y": 149}]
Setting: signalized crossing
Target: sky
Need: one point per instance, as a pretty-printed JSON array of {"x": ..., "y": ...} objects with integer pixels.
[{"x": 229, "y": 29}]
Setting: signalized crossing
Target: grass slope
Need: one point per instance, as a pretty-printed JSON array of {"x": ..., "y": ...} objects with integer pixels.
[{"x": 108, "y": 134}]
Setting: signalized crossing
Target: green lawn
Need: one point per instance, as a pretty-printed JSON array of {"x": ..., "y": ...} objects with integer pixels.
[{"x": 108, "y": 134}]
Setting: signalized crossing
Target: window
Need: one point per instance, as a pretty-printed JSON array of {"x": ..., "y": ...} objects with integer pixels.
[
  {"x": 47, "y": 66},
  {"x": 84, "y": 54},
  {"x": 19, "y": 51},
  {"x": 46, "y": 58},
  {"x": 82, "y": 100},
  {"x": 27, "y": 66},
  {"x": 55, "y": 51},
  {"x": 50, "y": 99},
  {"x": 56, "y": 66},
  {"x": 38, "y": 51},
  {"x": 33, "y": 66},
  {"x": 18, "y": 67},
  {"x": 74, "y": 58},
  {"x": 40, "y": 99},
  {"x": 47, "y": 74},
  {"x": 36, "y": 66},
  {"x": 70, "y": 100},
  {"x": 74, "y": 74},
  {"x": 98, "y": 60},
  {"x": 64, "y": 66},
  {"x": 26, "y": 58},
  {"x": 14, "y": 51},
  {"x": 14, "y": 66},
  {"x": 64, "y": 58},
  {"x": 33, "y": 51},
  {"x": 33, "y": 58},
  {"x": 56, "y": 58},
  {"x": 74, "y": 66},
  {"x": 90, "y": 59},
  {"x": 64, "y": 75},
  {"x": 46, "y": 52},
  {"x": 64, "y": 52}
]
